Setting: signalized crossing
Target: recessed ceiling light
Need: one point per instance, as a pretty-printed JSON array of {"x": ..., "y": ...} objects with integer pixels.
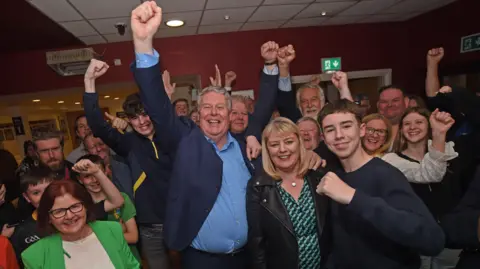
[
  {"x": 60, "y": 102},
  {"x": 36, "y": 100},
  {"x": 77, "y": 103},
  {"x": 116, "y": 98},
  {"x": 175, "y": 23},
  {"x": 226, "y": 17},
  {"x": 324, "y": 13},
  {"x": 106, "y": 96}
]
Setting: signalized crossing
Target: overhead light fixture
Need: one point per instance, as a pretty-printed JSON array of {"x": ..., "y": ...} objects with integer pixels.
[
  {"x": 116, "y": 98},
  {"x": 36, "y": 100},
  {"x": 106, "y": 96},
  {"x": 60, "y": 102},
  {"x": 226, "y": 17},
  {"x": 324, "y": 13},
  {"x": 175, "y": 23},
  {"x": 77, "y": 103}
]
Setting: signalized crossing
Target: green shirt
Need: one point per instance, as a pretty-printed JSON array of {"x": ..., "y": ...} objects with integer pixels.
[
  {"x": 125, "y": 213},
  {"x": 302, "y": 215}
]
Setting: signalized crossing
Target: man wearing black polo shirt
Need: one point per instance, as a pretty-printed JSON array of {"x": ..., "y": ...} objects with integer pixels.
[
  {"x": 149, "y": 167},
  {"x": 377, "y": 221}
]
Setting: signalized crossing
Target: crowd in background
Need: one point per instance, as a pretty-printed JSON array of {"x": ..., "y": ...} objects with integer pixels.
[{"x": 290, "y": 180}]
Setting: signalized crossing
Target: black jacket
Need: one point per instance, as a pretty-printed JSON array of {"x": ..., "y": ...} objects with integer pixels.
[{"x": 271, "y": 238}]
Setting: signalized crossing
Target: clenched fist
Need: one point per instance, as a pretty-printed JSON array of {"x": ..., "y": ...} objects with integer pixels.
[
  {"x": 86, "y": 167},
  {"x": 230, "y": 77},
  {"x": 96, "y": 69},
  {"x": 145, "y": 20},
  {"x": 286, "y": 55},
  {"x": 340, "y": 80},
  {"x": 434, "y": 56},
  {"x": 441, "y": 122},
  {"x": 269, "y": 52},
  {"x": 332, "y": 186}
]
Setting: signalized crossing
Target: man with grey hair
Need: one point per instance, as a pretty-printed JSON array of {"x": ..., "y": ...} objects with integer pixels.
[{"x": 206, "y": 207}]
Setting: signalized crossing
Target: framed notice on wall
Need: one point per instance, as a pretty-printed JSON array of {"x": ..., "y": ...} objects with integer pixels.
[
  {"x": 42, "y": 126},
  {"x": 7, "y": 132}
]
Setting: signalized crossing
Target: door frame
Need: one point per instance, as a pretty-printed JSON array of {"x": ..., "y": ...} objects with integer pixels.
[{"x": 385, "y": 76}]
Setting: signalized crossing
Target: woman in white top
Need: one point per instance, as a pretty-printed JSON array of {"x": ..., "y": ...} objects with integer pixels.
[
  {"x": 75, "y": 240},
  {"x": 420, "y": 159}
]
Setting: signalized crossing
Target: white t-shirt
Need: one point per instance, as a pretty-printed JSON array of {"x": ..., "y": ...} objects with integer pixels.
[{"x": 86, "y": 253}]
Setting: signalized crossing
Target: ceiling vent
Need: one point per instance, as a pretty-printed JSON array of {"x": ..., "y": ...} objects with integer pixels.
[{"x": 70, "y": 62}]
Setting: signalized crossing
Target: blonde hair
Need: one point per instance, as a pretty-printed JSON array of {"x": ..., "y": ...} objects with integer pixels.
[
  {"x": 388, "y": 139},
  {"x": 282, "y": 126},
  {"x": 321, "y": 94}
]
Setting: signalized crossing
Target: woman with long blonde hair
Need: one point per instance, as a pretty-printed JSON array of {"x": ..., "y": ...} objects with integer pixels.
[{"x": 285, "y": 216}]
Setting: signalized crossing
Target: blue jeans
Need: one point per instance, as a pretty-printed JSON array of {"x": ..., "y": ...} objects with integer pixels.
[{"x": 153, "y": 247}]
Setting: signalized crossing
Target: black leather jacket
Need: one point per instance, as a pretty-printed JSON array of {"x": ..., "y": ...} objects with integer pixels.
[{"x": 271, "y": 238}]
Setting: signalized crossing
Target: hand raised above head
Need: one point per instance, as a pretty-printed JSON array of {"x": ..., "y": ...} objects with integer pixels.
[
  {"x": 145, "y": 21},
  {"x": 96, "y": 69},
  {"x": 269, "y": 51},
  {"x": 435, "y": 55}
]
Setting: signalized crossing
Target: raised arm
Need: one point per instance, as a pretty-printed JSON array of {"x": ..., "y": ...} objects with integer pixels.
[
  {"x": 340, "y": 81},
  {"x": 100, "y": 127},
  {"x": 286, "y": 100},
  {"x": 432, "y": 83},
  {"x": 169, "y": 129}
]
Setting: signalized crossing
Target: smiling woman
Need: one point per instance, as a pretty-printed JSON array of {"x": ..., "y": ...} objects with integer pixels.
[
  {"x": 75, "y": 240},
  {"x": 378, "y": 135}
]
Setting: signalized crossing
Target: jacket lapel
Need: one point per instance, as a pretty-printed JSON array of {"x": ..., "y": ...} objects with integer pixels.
[
  {"x": 111, "y": 247},
  {"x": 321, "y": 201},
  {"x": 57, "y": 258}
]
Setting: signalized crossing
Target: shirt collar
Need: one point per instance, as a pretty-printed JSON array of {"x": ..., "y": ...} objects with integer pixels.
[{"x": 230, "y": 141}]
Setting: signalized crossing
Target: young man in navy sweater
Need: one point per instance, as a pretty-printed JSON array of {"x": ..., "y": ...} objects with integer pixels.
[{"x": 377, "y": 221}]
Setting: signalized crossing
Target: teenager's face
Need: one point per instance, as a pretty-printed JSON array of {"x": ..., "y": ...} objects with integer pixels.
[
  {"x": 284, "y": 150},
  {"x": 415, "y": 128},
  {"x": 91, "y": 183},
  {"x": 141, "y": 124},
  {"x": 34, "y": 193},
  {"x": 375, "y": 135},
  {"x": 342, "y": 134}
]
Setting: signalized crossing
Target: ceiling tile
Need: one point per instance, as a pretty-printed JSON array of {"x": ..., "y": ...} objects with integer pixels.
[
  {"x": 368, "y": 7},
  {"x": 331, "y": 8},
  {"x": 282, "y": 2},
  {"x": 343, "y": 20},
  {"x": 79, "y": 28},
  {"x": 219, "y": 4},
  {"x": 95, "y": 9},
  {"x": 409, "y": 6},
  {"x": 171, "y": 32},
  {"x": 57, "y": 10},
  {"x": 190, "y": 18},
  {"x": 211, "y": 17},
  {"x": 223, "y": 28},
  {"x": 380, "y": 18},
  {"x": 305, "y": 22},
  {"x": 274, "y": 13},
  {"x": 118, "y": 38},
  {"x": 261, "y": 25},
  {"x": 93, "y": 39},
  {"x": 107, "y": 26},
  {"x": 180, "y": 5}
]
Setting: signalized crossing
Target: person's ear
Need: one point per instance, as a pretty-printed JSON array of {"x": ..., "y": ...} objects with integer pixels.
[
  {"x": 26, "y": 198},
  {"x": 406, "y": 100},
  {"x": 363, "y": 128}
]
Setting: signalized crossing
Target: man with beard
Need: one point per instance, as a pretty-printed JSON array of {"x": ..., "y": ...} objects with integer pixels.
[
  {"x": 310, "y": 131},
  {"x": 81, "y": 130},
  {"x": 49, "y": 149}
]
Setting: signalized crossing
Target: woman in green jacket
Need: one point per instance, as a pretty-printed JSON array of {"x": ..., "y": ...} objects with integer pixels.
[{"x": 75, "y": 240}]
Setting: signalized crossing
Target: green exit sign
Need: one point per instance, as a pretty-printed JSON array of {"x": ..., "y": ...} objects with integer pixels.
[
  {"x": 470, "y": 43},
  {"x": 330, "y": 65}
]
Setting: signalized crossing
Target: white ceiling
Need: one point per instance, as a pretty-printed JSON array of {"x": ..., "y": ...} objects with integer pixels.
[{"x": 92, "y": 21}]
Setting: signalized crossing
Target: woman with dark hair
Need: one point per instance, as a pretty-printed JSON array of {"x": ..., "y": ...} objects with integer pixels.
[
  {"x": 74, "y": 239},
  {"x": 416, "y": 101},
  {"x": 30, "y": 159}
]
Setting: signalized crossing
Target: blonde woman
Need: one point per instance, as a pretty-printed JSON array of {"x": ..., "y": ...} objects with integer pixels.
[
  {"x": 285, "y": 216},
  {"x": 378, "y": 135}
]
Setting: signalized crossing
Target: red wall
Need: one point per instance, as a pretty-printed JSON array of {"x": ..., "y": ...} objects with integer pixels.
[{"x": 401, "y": 46}]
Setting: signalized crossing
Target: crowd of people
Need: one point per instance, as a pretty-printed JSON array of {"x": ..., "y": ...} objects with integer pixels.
[{"x": 293, "y": 181}]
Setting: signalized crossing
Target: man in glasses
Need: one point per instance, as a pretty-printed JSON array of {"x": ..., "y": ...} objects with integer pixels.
[{"x": 49, "y": 149}]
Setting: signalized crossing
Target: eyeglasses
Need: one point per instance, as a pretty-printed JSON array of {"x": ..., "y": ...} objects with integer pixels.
[
  {"x": 379, "y": 132},
  {"x": 61, "y": 212},
  {"x": 47, "y": 151}
]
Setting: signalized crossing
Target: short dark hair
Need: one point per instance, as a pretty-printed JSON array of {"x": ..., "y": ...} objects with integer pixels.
[
  {"x": 391, "y": 86},
  {"x": 35, "y": 176},
  {"x": 133, "y": 105},
  {"x": 46, "y": 136},
  {"x": 93, "y": 158},
  {"x": 56, "y": 189},
  {"x": 340, "y": 106},
  {"x": 26, "y": 145},
  {"x": 180, "y": 100},
  {"x": 418, "y": 99}
]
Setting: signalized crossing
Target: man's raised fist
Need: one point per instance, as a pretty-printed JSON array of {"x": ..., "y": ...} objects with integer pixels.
[
  {"x": 95, "y": 69},
  {"x": 269, "y": 52},
  {"x": 435, "y": 55},
  {"x": 145, "y": 20},
  {"x": 286, "y": 55}
]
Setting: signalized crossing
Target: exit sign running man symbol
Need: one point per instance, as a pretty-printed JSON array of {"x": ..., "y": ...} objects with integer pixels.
[{"x": 330, "y": 65}]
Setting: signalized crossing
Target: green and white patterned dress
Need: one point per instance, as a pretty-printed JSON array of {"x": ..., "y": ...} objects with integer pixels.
[{"x": 302, "y": 215}]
